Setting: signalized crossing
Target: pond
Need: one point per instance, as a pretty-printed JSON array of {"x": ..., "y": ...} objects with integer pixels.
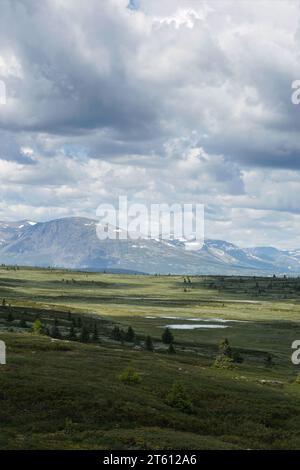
[{"x": 192, "y": 327}]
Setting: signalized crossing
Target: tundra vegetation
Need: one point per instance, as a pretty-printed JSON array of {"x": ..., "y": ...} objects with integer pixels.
[{"x": 107, "y": 361}]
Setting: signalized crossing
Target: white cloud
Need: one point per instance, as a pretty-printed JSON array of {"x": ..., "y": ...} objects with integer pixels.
[{"x": 177, "y": 101}]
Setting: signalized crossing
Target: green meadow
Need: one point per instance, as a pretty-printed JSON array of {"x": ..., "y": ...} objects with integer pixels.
[{"x": 74, "y": 380}]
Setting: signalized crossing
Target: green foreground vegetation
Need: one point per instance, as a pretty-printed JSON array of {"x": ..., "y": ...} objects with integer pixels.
[{"x": 93, "y": 364}]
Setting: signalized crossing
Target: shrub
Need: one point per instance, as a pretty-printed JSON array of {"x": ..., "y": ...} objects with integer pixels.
[
  {"x": 223, "y": 362},
  {"x": 37, "y": 327},
  {"x": 130, "y": 376},
  {"x": 179, "y": 399}
]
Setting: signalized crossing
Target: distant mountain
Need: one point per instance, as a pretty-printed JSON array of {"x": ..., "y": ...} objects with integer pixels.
[
  {"x": 10, "y": 231},
  {"x": 73, "y": 243}
]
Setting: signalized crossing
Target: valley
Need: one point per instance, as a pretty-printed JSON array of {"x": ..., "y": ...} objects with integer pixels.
[{"x": 77, "y": 377}]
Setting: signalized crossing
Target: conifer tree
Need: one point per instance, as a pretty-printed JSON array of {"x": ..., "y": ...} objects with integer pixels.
[
  {"x": 10, "y": 317},
  {"x": 225, "y": 348},
  {"x": 95, "y": 333},
  {"x": 171, "y": 349},
  {"x": 167, "y": 336},
  {"x": 130, "y": 335},
  {"x": 54, "y": 332},
  {"x": 149, "y": 344},
  {"x": 22, "y": 323},
  {"x": 117, "y": 334},
  {"x": 72, "y": 335},
  {"x": 84, "y": 334}
]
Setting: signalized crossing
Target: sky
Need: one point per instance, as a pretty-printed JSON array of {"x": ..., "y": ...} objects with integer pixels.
[{"x": 180, "y": 101}]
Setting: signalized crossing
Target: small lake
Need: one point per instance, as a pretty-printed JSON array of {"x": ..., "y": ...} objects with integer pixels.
[
  {"x": 218, "y": 320},
  {"x": 193, "y": 327},
  {"x": 213, "y": 320}
]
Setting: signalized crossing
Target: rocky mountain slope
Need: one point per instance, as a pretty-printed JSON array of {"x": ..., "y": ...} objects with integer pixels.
[{"x": 73, "y": 243}]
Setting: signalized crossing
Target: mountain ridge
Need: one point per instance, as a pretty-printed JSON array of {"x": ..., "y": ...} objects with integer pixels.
[{"x": 72, "y": 242}]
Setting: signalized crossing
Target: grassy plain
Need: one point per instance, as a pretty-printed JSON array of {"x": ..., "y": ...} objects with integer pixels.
[{"x": 66, "y": 394}]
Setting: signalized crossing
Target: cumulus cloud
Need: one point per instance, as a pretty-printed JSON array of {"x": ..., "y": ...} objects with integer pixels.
[{"x": 174, "y": 101}]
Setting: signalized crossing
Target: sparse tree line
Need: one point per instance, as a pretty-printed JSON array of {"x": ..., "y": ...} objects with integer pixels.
[
  {"x": 74, "y": 327},
  {"x": 227, "y": 357},
  {"x": 255, "y": 286},
  {"x": 70, "y": 327},
  {"x": 130, "y": 336},
  {"x": 79, "y": 329},
  {"x": 10, "y": 268}
]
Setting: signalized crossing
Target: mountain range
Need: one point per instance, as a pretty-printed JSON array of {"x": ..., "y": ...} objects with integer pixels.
[{"x": 72, "y": 243}]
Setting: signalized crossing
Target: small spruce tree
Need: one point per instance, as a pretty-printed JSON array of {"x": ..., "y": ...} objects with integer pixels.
[
  {"x": 225, "y": 348},
  {"x": 149, "y": 344},
  {"x": 178, "y": 398},
  {"x": 54, "y": 332},
  {"x": 269, "y": 360},
  {"x": 167, "y": 336},
  {"x": 117, "y": 334},
  {"x": 72, "y": 335},
  {"x": 10, "y": 317},
  {"x": 84, "y": 334},
  {"x": 130, "y": 335},
  {"x": 22, "y": 323},
  {"x": 224, "y": 360},
  {"x": 95, "y": 333}
]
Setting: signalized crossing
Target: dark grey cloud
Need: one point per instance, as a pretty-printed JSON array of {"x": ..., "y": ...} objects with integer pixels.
[{"x": 75, "y": 69}]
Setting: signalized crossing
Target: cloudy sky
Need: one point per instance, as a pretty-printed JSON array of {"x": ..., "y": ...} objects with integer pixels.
[{"x": 163, "y": 101}]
